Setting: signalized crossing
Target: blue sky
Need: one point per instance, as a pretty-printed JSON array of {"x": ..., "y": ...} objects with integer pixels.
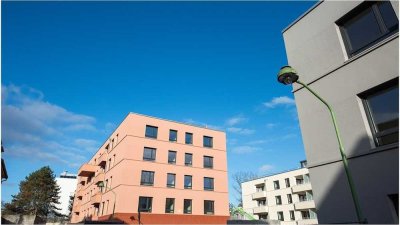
[{"x": 71, "y": 71}]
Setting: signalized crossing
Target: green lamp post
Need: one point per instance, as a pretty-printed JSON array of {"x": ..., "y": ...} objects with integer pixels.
[
  {"x": 287, "y": 75},
  {"x": 101, "y": 186}
]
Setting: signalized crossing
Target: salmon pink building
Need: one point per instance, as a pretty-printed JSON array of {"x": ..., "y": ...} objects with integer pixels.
[{"x": 168, "y": 171}]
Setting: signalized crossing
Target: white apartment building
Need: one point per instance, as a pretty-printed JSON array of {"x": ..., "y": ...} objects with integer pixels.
[
  {"x": 286, "y": 197},
  {"x": 67, "y": 183}
]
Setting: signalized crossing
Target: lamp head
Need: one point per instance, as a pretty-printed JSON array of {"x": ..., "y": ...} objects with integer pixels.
[
  {"x": 100, "y": 184},
  {"x": 287, "y": 75}
]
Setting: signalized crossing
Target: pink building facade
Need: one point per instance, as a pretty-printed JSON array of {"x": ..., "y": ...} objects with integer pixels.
[{"x": 171, "y": 172}]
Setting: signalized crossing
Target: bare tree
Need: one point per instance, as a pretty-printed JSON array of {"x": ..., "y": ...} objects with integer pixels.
[{"x": 238, "y": 179}]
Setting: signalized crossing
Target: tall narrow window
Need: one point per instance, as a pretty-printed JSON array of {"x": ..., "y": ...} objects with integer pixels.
[
  {"x": 278, "y": 200},
  {"x": 276, "y": 185},
  {"x": 171, "y": 180},
  {"x": 149, "y": 154},
  {"x": 291, "y": 212},
  {"x": 173, "y": 135},
  {"x": 172, "y": 157},
  {"x": 207, "y": 142},
  {"x": 208, "y": 184},
  {"x": 188, "y": 182},
  {"x": 208, "y": 207},
  {"x": 187, "y": 206},
  {"x": 147, "y": 178},
  {"x": 145, "y": 204},
  {"x": 188, "y": 138},
  {"x": 188, "y": 159},
  {"x": 208, "y": 162},
  {"x": 289, "y": 198},
  {"x": 169, "y": 205},
  {"x": 382, "y": 108},
  {"x": 280, "y": 216},
  {"x": 151, "y": 131},
  {"x": 367, "y": 24},
  {"x": 287, "y": 182}
]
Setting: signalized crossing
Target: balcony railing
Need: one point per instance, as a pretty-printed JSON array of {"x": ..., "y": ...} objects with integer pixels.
[
  {"x": 99, "y": 178},
  {"x": 87, "y": 170},
  {"x": 260, "y": 209},
  {"x": 95, "y": 199},
  {"x": 259, "y": 195},
  {"x": 304, "y": 205},
  {"x": 307, "y": 221},
  {"x": 302, "y": 187}
]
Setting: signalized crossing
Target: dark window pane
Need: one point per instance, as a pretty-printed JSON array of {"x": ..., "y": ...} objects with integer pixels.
[
  {"x": 173, "y": 135},
  {"x": 151, "y": 131},
  {"x": 362, "y": 30},
  {"x": 208, "y": 162},
  {"x": 208, "y": 142},
  {"x": 388, "y": 15},
  {"x": 383, "y": 110},
  {"x": 208, "y": 207},
  {"x": 208, "y": 183},
  {"x": 171, "y": 180},
  {"x": 187, "y": 206},
  {"x": 171, "y": 157},
  {"x": 276, "y": 184},
  {"x": 149, "y": 154},
  {"x": 188, "y": 159},
  {"x": 145, "y": 204},
  {"x": 189, "y": 138},
  {"x": 188, "y": 182},
  {"x": 169, "y": 205},
  {"x": 147, "y": 178}
]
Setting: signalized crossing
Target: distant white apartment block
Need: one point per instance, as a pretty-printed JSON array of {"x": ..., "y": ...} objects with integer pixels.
[
  {"x": 285, "y": 197},
  {"x": 67, "y": 183}
]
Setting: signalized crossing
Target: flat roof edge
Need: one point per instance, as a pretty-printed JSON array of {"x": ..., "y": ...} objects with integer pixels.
[
  {"x": 173, "y": 121},
  {"x": 301, "y": 16},
  {"x": 273, "y": 174}
]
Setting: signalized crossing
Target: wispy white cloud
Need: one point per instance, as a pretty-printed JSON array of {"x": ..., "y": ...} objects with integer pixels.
[
  {"x": 266, "y": 168},
  {"x": 235, "y": 120},
  {"x": 257, "y": 142},
  {"x": 36, "y": 129},
  {"x": 278, "y": 101},
  {"x": 244, "y": 149},
  {"x": 238, "y": 130},
  {"x": 271, "y": 125}
]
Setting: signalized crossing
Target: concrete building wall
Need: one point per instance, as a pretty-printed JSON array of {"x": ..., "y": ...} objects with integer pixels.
[
  {"x": 250, "y": 195},
  {"x": 315, "y": 48},
  {"x": 68, "y": 186},
  {"x": 125, "y": 164}
]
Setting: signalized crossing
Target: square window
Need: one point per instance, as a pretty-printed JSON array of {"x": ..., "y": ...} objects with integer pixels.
[
  {"x": 208, "y": 207},
  {"x": 188, "y": 159},
  {"x": 171, "y": 180},
  {"x": 305, "y": 215},
  {"x": 169, "y": 205},
  {"x": 151, "y": 131},
  {"x": 188, "y": 138},
  {"x": 382, "y": 108},
  {"x": 147, "y": 178},
  {"x": 208, "y": 184},
  {"x": 149, "y": 154},
  {"x": 144, "y": 204},
  {"x": 207, "y": 142},
  {"x": 367, "y": 24},
  {"x": 187, "y": 206},
  {"x": 188, "y": 182},
  {"x": 173, "y": 135},
  {"x": 172, "y": 157},
  {"x": 208, "y": 162}
]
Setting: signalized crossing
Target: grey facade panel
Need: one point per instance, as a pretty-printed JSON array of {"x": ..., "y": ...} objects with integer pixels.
[{"x": 314, "y": 48}]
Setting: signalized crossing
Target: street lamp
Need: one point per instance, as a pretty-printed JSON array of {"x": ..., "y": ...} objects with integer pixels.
[
  {"x": 101, "y": 185},
  {"x": 287, "y": 75}
]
